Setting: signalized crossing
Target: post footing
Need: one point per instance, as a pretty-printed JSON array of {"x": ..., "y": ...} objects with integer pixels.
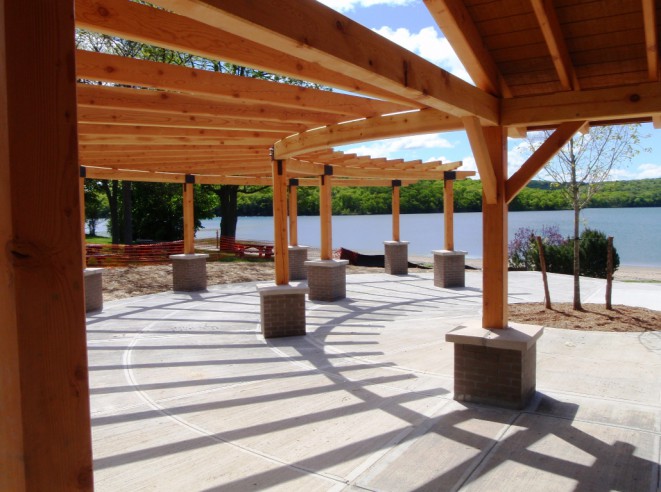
[
  {"x": 93, "y": 289},
  {"x": 282, "y": 310},
  {"x": 397, "y": 257},
  {"x": 449, "y": 268},
  {"x": 327, "y": 279},
  {"x": 298, "y": 255},
  {"x": 189, "y": 272}
]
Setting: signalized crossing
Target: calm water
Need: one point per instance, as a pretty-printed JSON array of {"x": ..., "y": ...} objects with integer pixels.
[{"x": 636, "y": 231}]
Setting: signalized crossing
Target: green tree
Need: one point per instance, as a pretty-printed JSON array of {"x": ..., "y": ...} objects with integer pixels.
[{"x": 582, "y": 166}]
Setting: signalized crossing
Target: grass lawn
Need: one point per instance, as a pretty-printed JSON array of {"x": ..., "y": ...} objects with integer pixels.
[{"x": 97, "y": 239}]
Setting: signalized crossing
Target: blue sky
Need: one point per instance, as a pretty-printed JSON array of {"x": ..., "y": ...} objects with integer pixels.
[{"x": 408, "y": 23}]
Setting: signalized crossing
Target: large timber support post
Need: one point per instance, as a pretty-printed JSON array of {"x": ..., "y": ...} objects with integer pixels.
[
  {"x": 449, "y": 265},
  {"x": 495, "y": 360},
  {"x": 45, "y": 438},
  {"x": 282, "y": 306},
  {"x": 189, "y": 270},
  {"x": 396, "y": 251},
  {"x": 327, "y": 278},
  {"x": 298, "y": 254}
]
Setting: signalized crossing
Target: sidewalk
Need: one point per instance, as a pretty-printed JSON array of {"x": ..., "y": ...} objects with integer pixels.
[{"x": 186, "y": 395}]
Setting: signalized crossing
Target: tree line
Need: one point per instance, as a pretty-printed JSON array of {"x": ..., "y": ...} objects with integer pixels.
[{"x": 427, "y": 197}]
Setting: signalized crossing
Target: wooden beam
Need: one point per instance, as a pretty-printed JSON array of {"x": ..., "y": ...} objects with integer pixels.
[
  {"x": 656, "y": 121},
  {"x": 540, "y": 158},
  {"x": 130, "y": 20},
  {"x": 555, "y": 41},
  {"x": 139, "y": 176},
  {"x": 189, "y": 219},
  {"x": 395, "y": 212},
  {"x": 412, "y": 123},
  {"x": 448, "y": 214},
  {"x": 318, "y": 34},
  {"x": 293, "y": 214},
  {"x": 101, "y": 149},
  {"x": 145, "y": 118},
  {"x": 517, "y": 132},
  {"x": 494, "y": 218},
  {"x": 99, "y": 96},
  {"x": 12, "y": 452},
  {"x": 355, "y": 172},
  {"x": 629, "y": 102},
  {"x": 301, "y": 167},
  {"x": 651, "y": 39},
  {"x": 218, "y": 137},
  {"x": 127, "y": 142},
  {"x": 480, "y": 147},
  {"x": 235, "y": 180},
  {"x": 326, "y": 217},
  {"x": 455, "y": 22},
  {"x": 43, "y": 344},
  {"x": 141, "y": 73},
  {"x": 383, "y": 183},
  {"x": 280, "y": 222}
]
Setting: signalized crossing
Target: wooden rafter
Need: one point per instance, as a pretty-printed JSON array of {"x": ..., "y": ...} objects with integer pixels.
[
  {"x": 412, "y": 123},
  {"x": 651, "y": 39},
  {"x": 130, "y": 20},
  {"x": 540, "y": 158},
  {"x": 219, "y": 136},
  {"x": 456, "y": 23},
  {"x": 318, "y": 34},
  {"x": 168, "y": 102},
  {"x": 141, "y": 73},
  {"x": 555, "y": 41}
]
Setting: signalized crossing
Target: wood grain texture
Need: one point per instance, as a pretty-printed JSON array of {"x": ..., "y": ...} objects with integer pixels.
[
  {"x": 494, "y": 224},
  {"x": 395, "y": 213},
  {"x": 280, "y": 222},
  {"x": 479, "y": 145},
  {"x": 326, "y": 217},
  {"x": 293, "y": 215},
  {"x": 189, "y": 218},
  {"x": 448, "y": 214},
  {"x": 46, "y": 248}
]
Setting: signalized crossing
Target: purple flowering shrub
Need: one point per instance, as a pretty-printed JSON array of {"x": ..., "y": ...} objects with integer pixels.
[{"x": 522, "y": 249}]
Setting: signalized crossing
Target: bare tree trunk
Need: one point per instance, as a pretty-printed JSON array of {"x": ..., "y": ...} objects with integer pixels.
[
  {"x": 577, "y": 262},
  {"x": 542, "y": 263},
  {"x": 609, "y": 273},
  {"x": 127, "y": 212}
]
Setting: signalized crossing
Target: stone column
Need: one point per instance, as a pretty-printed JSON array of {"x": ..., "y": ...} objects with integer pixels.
[
  {"x": 397, "y": 257},
  {"x": 282, "y": 310},
  {"x": 327, "y": 279},
  {"x": 298, "y": 255},
  {"x": 93, "y": 289},
  {"x": 495, "y": 367},
  {"x": 449, "y": 268},
  {"x": 189, "y": 272}
]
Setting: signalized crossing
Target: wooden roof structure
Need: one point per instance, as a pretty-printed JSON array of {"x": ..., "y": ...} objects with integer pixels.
[{"x": 561, "y": 64}]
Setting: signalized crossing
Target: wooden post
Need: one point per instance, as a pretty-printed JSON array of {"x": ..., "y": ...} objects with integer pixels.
[
  {"x": 326, "y": 217},
  {"x": 45, "y": 438},
  {"x": 542, "y": 263},
  {"x": 448, "y": 211},
  {"x": 609, "y": 274},
  {"x": 395, "y": 210},
  {"x": 293, "y": 212},
  {"x": 83, "y": 241},
  {"x": 189, "y": 215},
  {"x": 280, "y": 222},
  {"x": 494, "y": 217}
]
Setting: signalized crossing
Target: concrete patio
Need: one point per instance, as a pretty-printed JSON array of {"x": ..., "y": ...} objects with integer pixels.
[{"x": 187, "y": 395}]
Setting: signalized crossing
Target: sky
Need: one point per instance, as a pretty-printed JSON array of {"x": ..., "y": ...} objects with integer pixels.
[{"x": 409, "y": 24}]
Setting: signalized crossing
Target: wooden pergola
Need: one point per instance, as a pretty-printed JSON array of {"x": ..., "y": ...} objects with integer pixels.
[{"x": 537, "y": 64}]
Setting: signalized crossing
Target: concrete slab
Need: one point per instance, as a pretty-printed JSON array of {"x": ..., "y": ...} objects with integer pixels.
[{"x": 187, "y": 395}]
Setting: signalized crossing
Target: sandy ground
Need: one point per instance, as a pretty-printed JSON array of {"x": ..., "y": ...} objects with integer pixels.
[{"x": 119, "y": 283}]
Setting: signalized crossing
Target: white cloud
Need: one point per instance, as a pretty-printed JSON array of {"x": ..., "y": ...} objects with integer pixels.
[
  {"x": 469, "y": 165},
  {"x": 430, "y": 45},
  {"x": 643, "y": 171},
  {"x": 388, "y": 148},
  {"x": 349, "y": 5},
  {"x": 516, "y": 156}
]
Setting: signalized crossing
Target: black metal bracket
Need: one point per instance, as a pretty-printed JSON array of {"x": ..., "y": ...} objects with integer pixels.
[
  {"x": 396, "y": 182},
  {"x": 293, "y": 181},
  {"x": 328, "y": 170},
  {"x": 449, "y": 175},
  {"x": 279, "y": 167},
  {"x": 83, "y": 172},
  {"x": 190, "y": 179}
]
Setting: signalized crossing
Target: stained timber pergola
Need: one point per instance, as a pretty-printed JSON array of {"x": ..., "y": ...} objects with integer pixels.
[{"x": 536, "y": 64}]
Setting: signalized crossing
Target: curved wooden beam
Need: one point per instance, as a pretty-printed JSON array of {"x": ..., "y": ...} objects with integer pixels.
[{"x": 397, "y": 125}]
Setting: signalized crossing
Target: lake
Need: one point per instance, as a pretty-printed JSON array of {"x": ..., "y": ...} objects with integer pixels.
[{"x": 636, "y": 231}]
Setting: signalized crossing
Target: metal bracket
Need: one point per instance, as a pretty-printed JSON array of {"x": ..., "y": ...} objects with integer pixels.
[
  {"x": 396, "y": 182},
  {"x": 449, "y": 175},
  {"x": 279, "y": 167},
  {"x": 83, "y": 172},
  {"x": 293, "y": 181},
  {"x": 190, "y": 179},
  {"x": 328, "y": 170}
]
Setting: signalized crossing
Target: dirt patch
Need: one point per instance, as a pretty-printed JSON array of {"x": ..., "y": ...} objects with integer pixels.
[{"x": 593, "y": 317}]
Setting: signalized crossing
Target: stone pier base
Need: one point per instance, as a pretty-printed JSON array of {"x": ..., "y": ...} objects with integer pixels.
[
  {"x": 298, "y": 255},
  {"x": 495, "y": 367},
  {"x": 449, "y": 268},
  {"x": 327, "y": 279},
  {"x": 189, "y": 272},
  {"x": 397, "y": 257},
  {"x": 93, "y": 289},
  {"x": 282, "y": 310}
]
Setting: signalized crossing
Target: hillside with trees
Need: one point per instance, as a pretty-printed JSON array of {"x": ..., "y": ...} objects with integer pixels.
[{"x": 427, "y": 197}]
